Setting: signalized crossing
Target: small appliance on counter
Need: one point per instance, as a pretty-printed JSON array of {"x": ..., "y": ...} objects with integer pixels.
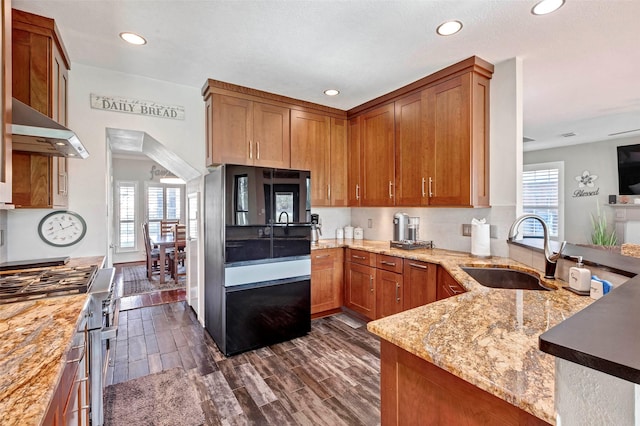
[
  {"x": 316, "y": 228},
  {"x": 406, "y": 233}
]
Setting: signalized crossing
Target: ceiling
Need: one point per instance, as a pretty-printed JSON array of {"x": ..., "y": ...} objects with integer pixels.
[{"x": 580, "y": 64}]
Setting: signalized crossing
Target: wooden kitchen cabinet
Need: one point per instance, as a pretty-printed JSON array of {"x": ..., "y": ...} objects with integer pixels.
[
  {"x": 447, "y": 285},
  {"x": 327, "y": 272},
  {"x": 242, "y": 131},
  {"x": 419, "y": 283},
  {"x": 353, "y": 159},
  {"x": 457, "y": 138},
  {"x": 40, "y": 67},
  {"x": 339, "y": 163},
  {"x": 360, "y": 283},
  {"x": 389, "y": 285},
  {"x": 5, "y": 105},
  {"x": 376, "y": 157},
  {"x": 414, "y": 391},
  {"x": 412, "y": 156}
]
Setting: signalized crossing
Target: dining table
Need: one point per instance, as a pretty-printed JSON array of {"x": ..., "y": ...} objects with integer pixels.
[{"x": 163, "y": 242}]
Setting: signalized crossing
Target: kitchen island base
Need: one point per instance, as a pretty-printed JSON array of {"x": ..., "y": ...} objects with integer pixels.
[{"x": 414, "y": 391}]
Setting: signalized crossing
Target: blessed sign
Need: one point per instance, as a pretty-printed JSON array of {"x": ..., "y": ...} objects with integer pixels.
[{"x": 137, "y": 106}]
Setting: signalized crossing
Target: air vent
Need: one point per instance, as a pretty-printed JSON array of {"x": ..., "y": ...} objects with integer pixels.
[
  {"x": 626, "y": 131},
  {"x": 568, "y": 135},
  {"x": 526, "y": 139}
]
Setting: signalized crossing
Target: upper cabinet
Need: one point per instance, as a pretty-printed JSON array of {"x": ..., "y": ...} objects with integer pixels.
[
  {"x": 426, "y": 144},
  {"x": 5, "y": 104},
  {"x": 251, "y": 127},
  {"x": 248, "y": 132},
  {"x": 40, "y": 67}
]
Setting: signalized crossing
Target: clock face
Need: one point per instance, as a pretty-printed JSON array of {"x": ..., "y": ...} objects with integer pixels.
[{"x": 62, "y": 228}]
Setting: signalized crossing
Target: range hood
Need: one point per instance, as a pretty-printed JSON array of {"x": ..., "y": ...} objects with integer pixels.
[{"x": 35, "y": 132}]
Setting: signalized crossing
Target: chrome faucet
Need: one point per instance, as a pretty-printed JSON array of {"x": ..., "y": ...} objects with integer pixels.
[
  {"x": 280, "y": 216},
  {"x": 550, "y": 258}
]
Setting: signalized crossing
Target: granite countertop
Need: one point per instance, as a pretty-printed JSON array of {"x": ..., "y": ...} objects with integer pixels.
[
  {"x": 34, "y": 338},
  {"x": 488, "y": 337}
]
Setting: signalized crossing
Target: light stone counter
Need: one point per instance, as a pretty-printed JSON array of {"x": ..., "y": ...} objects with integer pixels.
[
  {"x": 488, "y": 337},
  {"x": 34, "y": 338}
]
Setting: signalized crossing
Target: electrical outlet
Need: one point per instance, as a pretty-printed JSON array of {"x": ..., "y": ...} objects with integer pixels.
[
  {"x": 370, "y": 223},
  {"x": 466, "y": 229}
]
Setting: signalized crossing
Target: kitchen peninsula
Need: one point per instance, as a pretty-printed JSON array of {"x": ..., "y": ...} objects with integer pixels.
[{"x": 486, "y": 338}]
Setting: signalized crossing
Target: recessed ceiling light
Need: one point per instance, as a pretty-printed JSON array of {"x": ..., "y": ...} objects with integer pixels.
[
  {"x": 449, "y": 28},
  {"x": 547, "y": 6},
  {"x": 133, "y": 38},
  {"x": 331, "y": 92}
]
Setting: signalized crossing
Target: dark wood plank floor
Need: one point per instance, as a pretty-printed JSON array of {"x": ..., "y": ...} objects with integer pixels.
[{"x": 329, "y": 377}]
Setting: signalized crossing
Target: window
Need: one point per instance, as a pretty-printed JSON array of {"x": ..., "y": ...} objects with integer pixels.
[
  {"x": 164, "y": 201},
  {"x": 242, "y": 200},
  {"x": 542, "y": 195},
  {"x": 126, "y": 215}
]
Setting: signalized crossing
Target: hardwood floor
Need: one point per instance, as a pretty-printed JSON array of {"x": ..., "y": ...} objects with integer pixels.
[{"x": 329, "y": 377}]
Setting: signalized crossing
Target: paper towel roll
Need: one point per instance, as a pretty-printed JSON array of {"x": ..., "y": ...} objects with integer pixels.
[{"x": 480, "y": 240}]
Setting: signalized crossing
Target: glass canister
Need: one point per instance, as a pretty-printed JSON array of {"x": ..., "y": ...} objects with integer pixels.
[{"x": 413, "y": 229}]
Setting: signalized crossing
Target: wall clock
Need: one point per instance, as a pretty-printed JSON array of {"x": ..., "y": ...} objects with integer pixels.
[{"x": 62, "y": 228}]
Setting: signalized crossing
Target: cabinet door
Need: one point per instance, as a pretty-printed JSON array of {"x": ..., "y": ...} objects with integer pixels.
[
  {"x": 360, "y": 291},
  {"x": 311, "y": 150},
  {"x": 448, "y": 132},
  {"x": 412, "y": 154},
  {"x": 326, "y": 280},
  {"x": 419, "y": 283},
  {"x": 5, "y": 102},
  {"x": 59, "y": 182},
  {"x": 31, "y": 180},
  {"x": 231, "y": 130},
  {"x": 339, "y": 165},
  {"x": 377, "y": 153},
  {"x": 271, "y": 147},
  {"x": 354, "y": 187},
  {"x": 389, "y": 293}
]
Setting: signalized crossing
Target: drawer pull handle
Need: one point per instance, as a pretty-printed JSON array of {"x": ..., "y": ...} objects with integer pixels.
[
  {"x": 358, "y": 257},
  {"x": 397, "y": 293},
  {"x": 357, "y": 192},
  {"x": 371, "y": 283},
  {"x": 321, "y": 256},
  {"x": 384, "y": 262},
  {"x": 415, "y": 265},
  {"x": 250, "y": 151},
  {"x": 430, "y": 187},
  {"x": 455, "y": 290},
  {"x": 390, "y": 192},
  {"x": 423, "y": 192}
]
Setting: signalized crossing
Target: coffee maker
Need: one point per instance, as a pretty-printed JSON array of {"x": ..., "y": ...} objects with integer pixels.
[
  {"x": 406, "y": 233},
  {"x": 315, "y": 228}
]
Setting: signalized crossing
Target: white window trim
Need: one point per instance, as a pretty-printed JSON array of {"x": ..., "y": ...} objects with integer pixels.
[
  {"x": 561, "y": 190},
  {"x": 136, "y": 220},
  {"x": 183, "y": 197}
]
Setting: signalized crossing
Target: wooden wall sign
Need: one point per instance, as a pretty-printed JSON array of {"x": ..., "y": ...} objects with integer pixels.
[{"x": 137, "y": 106}]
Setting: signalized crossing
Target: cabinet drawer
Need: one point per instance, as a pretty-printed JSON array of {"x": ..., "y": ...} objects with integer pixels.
[
  {"x": 362, "y": 257},
  {"x": 323, "y": 259},
  {"x": 389, "y": 263}
]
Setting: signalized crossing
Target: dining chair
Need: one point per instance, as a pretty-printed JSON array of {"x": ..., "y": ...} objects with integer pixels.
[
  {"x": 166, "y": 226},
  {"x": 153, "y": 254},
  {"x": 178, "y": 255}
]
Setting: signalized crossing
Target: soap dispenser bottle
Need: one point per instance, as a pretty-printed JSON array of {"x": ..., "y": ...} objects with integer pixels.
[{"x": 580, "y": 277}]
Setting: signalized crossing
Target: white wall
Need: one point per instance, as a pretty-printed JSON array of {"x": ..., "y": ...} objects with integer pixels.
[
  {"x": 88, "y": 179},
  {"x": 598, "y": 158}
]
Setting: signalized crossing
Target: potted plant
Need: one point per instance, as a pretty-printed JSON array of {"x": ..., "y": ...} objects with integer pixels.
[{"x": 601, "y": 235}]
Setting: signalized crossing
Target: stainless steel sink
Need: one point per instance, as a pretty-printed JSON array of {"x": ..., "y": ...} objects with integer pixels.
[{"x": 505, "y": 278}]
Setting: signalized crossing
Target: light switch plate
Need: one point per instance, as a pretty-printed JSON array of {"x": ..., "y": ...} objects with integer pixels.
[{"x": 466, "y": 229}]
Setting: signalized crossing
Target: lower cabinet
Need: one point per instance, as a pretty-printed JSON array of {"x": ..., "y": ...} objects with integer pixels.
[
  {"x": 70, "y": 401},
  {"x": 326, "y": 280},
  {"x": 360, "y": 282},
  {"x": 390, "y": 293},
  {"x": 419, "y": 283},
  {"x": 415, "y": 392},
  {"x": 447, "y": 285}
]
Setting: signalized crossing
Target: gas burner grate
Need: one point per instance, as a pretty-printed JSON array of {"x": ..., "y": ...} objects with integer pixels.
[{"x": 45, "y": 282}]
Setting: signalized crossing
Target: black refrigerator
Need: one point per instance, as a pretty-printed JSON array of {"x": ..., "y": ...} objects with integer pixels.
[{"x": 257, "y": 256}]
